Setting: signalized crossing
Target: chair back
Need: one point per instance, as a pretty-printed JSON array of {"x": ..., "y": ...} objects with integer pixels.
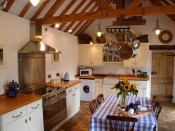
[
  {"x": 100, "y": 98},
  {"x": 121, "y": 123},
  {"x": 158, "y": 108},
  {"x": 93, "y": 105},
  {"x": 154, "y": 101}
]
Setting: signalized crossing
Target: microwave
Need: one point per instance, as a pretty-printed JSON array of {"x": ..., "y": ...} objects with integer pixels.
[{"x": 85, "y": 72}]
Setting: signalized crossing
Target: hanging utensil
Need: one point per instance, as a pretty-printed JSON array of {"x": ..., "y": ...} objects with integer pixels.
[{"x": 136, "y": 44}]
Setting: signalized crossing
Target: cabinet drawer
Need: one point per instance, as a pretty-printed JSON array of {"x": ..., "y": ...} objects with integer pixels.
[
  {"x": 98, "y": 81},
  {"x": 34, "y": 106},
  {"x": 139, "y": 83},
  {"x": 70, "y": 90},
  {"x": 15, "y": 114},
  {"x": 76, "y": 87}
]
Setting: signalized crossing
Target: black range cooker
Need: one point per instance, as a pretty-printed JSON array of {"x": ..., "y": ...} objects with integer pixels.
[{"x": 54, "y": 104}]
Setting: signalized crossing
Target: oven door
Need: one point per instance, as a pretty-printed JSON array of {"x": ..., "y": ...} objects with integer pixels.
[{"x": 54, "y": 111}]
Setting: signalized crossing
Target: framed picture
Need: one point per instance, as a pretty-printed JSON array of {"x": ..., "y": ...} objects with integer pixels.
[{"x": 2, "y": 56}]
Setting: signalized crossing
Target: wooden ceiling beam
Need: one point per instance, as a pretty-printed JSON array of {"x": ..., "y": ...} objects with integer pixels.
[
  {"x": 171, "y": 16},
  {"x": 9, "y": 4},
  {"x": 65, "y": 11},
  {"x": 76, "y": 9},
  {"x": 41, "y": 8},
  {"x": 54, "y": 8},
  {"x": 88, "y": 22},
  {"x": 140, "y": 11},
  {"x": 25, "y": 9},
  {"x": 103, "y": 5},
  {"x": 78, "y": 25},
  {"x": 134, "y": 4}
]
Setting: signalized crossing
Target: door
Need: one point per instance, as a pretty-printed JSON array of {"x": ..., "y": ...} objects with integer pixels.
[
  {"x": 142, "y": 58},
  {"x": 162, "y": 76},
  {"x": 18, "y": 125},
  {"x": 35, "y": 120},
  {"x": 86, "y": 55},
  {"x": 108, "y": 91},
  {"x": 97, "y": 55}
]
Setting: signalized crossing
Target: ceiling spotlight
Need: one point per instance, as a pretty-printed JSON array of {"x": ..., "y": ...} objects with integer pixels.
[
  {"x": 70, "y": 31},
  {"x": 35, "y": 2},
  {"x": 157, "y": 29},
  {"x": 57, "y": 25}
]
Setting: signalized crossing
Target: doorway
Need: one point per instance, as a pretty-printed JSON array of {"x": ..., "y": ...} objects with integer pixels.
[{"x": 162, "y": 75}]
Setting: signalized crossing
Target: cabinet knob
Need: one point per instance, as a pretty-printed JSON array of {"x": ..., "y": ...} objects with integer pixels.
[
  {"x": 30, "y": 118},
  {"x": 25, "y": 120}
]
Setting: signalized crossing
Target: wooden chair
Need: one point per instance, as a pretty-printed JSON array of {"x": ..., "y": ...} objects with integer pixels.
[
  {"x": 158, "y": 108},
  {"x": 93, "y": 105},
  {"x": 154, "y": 101},
  {"x": 122, "y": 124},
  {"x": 100, "y": 98}
]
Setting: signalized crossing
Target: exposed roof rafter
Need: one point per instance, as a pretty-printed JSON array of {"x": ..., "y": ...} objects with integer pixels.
[{"x": 140, "y": 11}]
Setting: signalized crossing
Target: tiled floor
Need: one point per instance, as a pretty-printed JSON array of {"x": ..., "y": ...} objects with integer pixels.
[{"x": 80, "y": 122}]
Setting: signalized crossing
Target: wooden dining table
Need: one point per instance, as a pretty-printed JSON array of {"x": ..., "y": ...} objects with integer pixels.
[{"x": 110, "y": 105}]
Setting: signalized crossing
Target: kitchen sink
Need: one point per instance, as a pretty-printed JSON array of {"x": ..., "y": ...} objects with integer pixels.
[{"x": 110, "y": 80}]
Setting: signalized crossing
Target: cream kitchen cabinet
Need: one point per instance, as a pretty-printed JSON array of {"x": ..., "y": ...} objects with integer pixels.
[
  {"x": 90, "y": 55},
  {"x": 98, "y": 87},
  {"x": 26, "y": 118},
  {"x": 141, "y": 60},
  {"x": 143, "y": 88},
  {"x": 108, "y": 91},
  {"x": 72, "y": 100}
]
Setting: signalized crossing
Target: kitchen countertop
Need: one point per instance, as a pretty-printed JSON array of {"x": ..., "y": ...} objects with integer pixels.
[
  {"x": 119, "y": 76},
  {"x": 65, "y": 84},
  {"x": 8, "y": 104}
]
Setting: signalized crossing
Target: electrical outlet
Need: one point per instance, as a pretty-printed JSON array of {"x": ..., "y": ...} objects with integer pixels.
[
  {"x": 49, "y": 76},
  {"x": 57, "y": 74}
]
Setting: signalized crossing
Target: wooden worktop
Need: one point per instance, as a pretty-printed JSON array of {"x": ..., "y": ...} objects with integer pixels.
[
  {"x": 65, "y": 84},
  {"x": 8, "y": 104},
  {"x": 119, "y": 76}
]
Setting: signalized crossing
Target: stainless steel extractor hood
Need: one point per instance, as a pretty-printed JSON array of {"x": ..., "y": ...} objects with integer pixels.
[{"x": 35, "y": 45}]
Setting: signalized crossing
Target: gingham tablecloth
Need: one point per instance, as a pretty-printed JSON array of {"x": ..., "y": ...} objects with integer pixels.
[{"x": 98, "y": 121}]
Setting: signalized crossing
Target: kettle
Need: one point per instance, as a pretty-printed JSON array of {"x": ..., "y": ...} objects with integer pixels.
[{"x": 66, "y": 77}]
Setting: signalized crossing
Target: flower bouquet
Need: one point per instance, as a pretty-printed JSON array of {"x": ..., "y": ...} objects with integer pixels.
[{"x": 125, "y": 88}]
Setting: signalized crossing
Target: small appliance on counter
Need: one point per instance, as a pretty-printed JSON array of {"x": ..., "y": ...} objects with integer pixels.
[
  {"x": 85, "y": 72},
  {"x": 66, "y": 77}
]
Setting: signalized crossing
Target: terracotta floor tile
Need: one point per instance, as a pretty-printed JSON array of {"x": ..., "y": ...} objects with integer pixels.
[{"x": 80, "y": 121}]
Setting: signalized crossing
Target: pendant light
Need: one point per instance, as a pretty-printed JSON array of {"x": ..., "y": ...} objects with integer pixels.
[
  {"x": 99, "y": 32},
  {"x": 157, "y": 29},
  {"x": 34, "y": 2}
]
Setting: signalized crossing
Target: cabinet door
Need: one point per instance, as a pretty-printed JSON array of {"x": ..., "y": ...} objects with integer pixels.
[
  {"x": 35, "y": 120},
  {"x": 108, "y": 91},
  {"x": 76, "y": 99},
  {"x": 142, "y": 58},
  {"x": 18, "y": 125},
  {"x": 86, "y": 55},
  {"x": 129, "y": 63},
  {"x": 141, "y": 91},
  {"x": 70, "y": 104},
  {"x": 97, "y": 55}
]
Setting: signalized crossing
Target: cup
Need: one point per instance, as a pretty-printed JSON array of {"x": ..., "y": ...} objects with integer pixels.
[{"x": 131, "y": 112}]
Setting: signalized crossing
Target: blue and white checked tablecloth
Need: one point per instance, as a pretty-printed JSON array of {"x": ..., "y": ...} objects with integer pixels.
[{"x": 98, "y": 121}]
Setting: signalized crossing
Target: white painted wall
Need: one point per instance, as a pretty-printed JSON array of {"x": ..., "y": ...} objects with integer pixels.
[
  {"x": 14, "y": 32},
  {"x": 68, "y": 59}
]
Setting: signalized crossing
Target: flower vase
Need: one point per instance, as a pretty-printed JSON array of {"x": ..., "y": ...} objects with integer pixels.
[{"x": 123, "y": 101}]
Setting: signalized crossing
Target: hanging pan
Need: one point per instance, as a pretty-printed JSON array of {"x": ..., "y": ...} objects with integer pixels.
[{"x": 136, "y": 44}]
